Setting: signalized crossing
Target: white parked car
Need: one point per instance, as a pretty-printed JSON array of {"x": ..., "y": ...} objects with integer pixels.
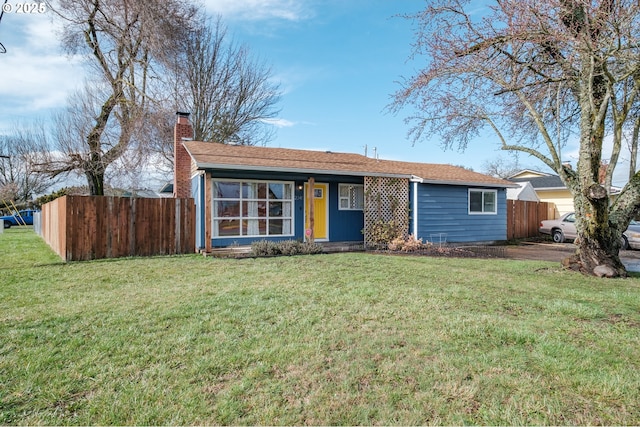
[
  {"x": 564, "y": 228},
  {"x": 632, "y": 236}
]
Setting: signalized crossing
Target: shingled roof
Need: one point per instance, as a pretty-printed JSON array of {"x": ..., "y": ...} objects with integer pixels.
[
  {"x": 207, "y": 155},
  {"x": 549, "y": 182}
]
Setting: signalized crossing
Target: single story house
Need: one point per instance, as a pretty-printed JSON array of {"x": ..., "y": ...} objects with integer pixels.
[
  {"x": 249, "y": 193},
  {"x": 548, "y": 187}
]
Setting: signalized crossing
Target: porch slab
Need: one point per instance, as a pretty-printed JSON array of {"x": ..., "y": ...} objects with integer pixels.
[{"x": 332, "y": 247}]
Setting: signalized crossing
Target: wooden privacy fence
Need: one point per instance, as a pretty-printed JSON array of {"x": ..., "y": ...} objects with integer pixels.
[
  {"x": 523, "y": 218},
  {"x": 93, "y": 227}
]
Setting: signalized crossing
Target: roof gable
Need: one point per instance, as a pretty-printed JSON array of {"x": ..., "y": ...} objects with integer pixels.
[
  {"x": 525, "y": 191},
  {"x": 208, "y": 155},
  {"x": 527, "y": 173}
]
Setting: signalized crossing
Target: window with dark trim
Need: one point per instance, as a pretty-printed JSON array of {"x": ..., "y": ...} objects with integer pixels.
[{"x": 252, "y": 208}]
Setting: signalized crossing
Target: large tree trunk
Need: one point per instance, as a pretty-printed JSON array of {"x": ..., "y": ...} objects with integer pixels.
[
  {"x": 599, "y": 239},
  {"x": 95, "y": 179},
  {"x": 597, "y": 255},
  {"x": 634, "y": 148},
  {"x": 598, "y": 258}
]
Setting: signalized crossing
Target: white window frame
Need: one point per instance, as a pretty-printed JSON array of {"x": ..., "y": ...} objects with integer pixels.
[
  {"x": 349, "y": 198},
  {"x": 483, "y": 191},
  {"x": 215, "y": 219}
]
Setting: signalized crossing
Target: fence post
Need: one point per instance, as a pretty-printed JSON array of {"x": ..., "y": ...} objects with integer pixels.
[
  {"x": 177, "y": 241},
  {"x": 131, "y": 222}
]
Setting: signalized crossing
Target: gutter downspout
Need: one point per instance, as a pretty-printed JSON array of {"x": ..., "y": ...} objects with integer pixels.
[{"x": 415, "y": 209}]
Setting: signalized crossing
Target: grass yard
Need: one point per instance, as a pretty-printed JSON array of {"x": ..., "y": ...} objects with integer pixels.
[{"x": 327, "y": 339}]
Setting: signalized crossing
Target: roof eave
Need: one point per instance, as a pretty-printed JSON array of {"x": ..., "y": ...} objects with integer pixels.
[
  {"x": 463, "y": 183},
  {"x": 203, "y": 166}
]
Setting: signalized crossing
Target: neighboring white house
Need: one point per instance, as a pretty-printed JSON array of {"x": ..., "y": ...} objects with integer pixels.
[
  {"x": 525, "y": 191},
  {"x": 548, "y": 188}
]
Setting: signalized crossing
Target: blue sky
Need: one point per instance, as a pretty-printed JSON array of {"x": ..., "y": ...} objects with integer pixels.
[{"x": 338, "y": 63}]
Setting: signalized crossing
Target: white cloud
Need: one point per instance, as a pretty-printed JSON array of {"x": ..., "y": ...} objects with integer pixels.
[
  {"x": 38, "y": 81},
  {"x": 294, "y": 76},
  {"x": 260, "y": 10},
  {"x": 35, "y": 74},
  {"x": 280, "y": 123}
]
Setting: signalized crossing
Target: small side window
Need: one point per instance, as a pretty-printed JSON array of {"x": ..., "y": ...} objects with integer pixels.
[
  {"x": 483, "y": 202},
  {"x": 351, "y": 197}
]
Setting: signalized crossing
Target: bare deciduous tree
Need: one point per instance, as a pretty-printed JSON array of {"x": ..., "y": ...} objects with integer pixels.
[
  {"x": 126, "y": 43},
  {"x": 229, "y": 92},
  {"x": 538, "y": 73},
  {"x": 70, "y": 152},
  {"x": 501, "y": 167},
  {"x": 23, "y": 150}
]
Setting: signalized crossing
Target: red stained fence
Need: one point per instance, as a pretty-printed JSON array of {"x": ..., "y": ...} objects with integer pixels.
[
  {"x": 523, "y": 218},
  {"x": 93, "y": 227}
]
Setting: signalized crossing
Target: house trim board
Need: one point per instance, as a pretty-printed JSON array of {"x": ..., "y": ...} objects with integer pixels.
[
  {"x": 414, "y": 214},
  {"x": 460, "y": 183},
  {"x": 296, "y": 170}
]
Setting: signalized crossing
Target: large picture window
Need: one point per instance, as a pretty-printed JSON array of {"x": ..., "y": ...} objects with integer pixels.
[
  {"x": 252, "y": 208},
  {"x": 483, "y": 202},
  {"x": 351, "y": 197}
]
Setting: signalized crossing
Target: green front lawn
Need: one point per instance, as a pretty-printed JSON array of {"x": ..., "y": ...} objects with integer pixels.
[{"x": 323, "y": 339}]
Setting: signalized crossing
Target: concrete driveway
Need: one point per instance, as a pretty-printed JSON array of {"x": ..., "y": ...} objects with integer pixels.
[{"x": 558, "y": 251}]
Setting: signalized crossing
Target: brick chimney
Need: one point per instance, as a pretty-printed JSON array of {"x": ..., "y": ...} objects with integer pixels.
[{"x": 182, "y": 160}]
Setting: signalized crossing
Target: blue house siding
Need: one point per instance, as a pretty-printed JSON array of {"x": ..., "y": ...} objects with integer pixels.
[
  {"x": 445, "y": 209},
  {"x": 343, "y": 225}
]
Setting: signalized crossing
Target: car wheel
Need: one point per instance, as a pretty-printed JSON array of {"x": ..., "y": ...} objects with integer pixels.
[
  {"x": 7, "y": 224},
  {"x": 624, "y": 242},
  {"x": 558, "y": 236}
]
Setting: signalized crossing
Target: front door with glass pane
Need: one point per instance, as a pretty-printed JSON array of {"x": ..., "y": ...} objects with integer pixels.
[{"x": 320, "y": 211}]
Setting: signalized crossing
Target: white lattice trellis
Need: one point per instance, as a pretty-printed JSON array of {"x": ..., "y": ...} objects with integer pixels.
[{"x": 386, "y": 200}]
